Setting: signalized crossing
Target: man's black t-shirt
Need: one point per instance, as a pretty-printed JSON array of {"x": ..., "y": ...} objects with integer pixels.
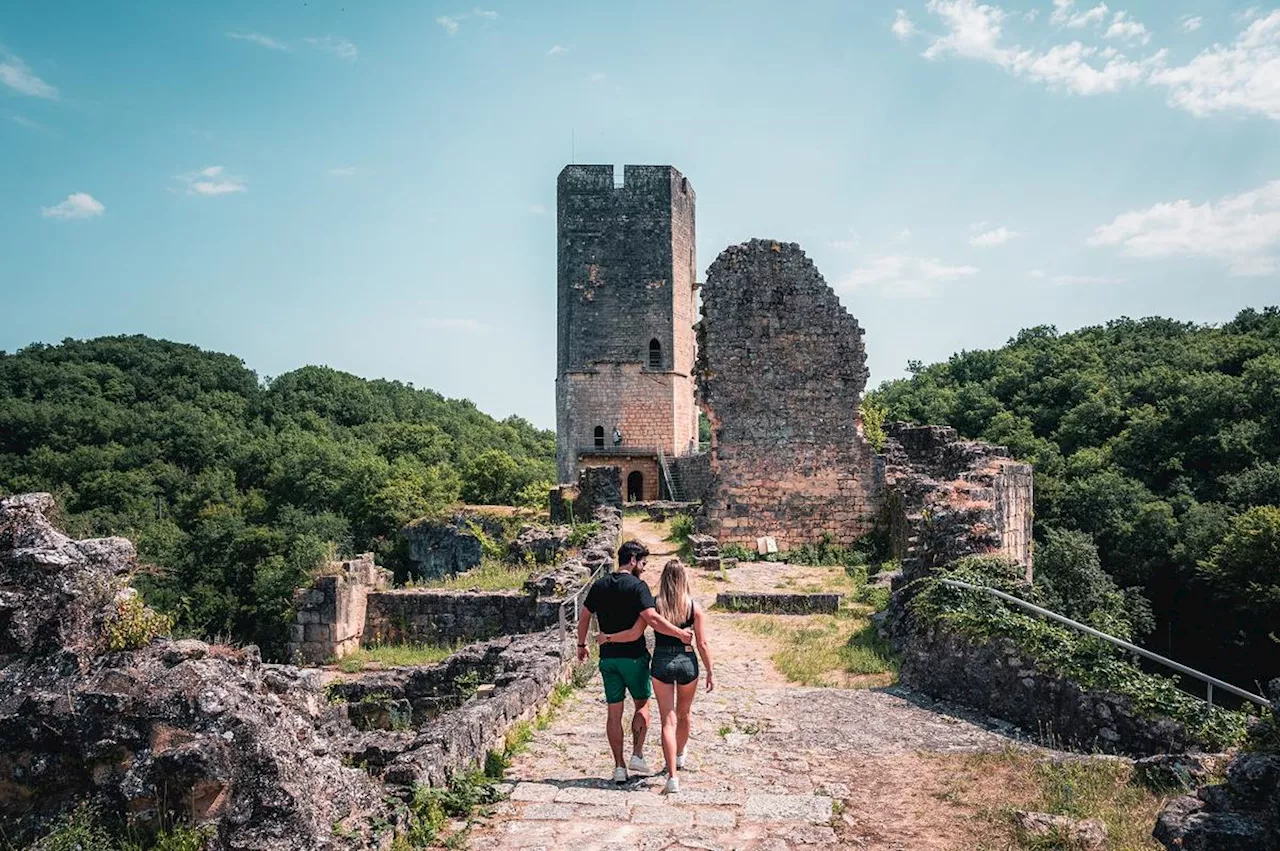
[{"x": 617, "y": 600}]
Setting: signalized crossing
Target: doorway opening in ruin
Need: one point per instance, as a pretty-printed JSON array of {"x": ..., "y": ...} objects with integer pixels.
[
  {"x": 635, "y": 486},
  {"x": 599, "y": 435}
]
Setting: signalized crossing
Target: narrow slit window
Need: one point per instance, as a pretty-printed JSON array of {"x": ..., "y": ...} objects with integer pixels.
[
  {"x": 655, "y": 354},
  {"x": 599, "y": 437}
]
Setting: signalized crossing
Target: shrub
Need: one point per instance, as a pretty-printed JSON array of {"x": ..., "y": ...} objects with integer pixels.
[
  {"x": 679, "y": 531},
  {"x": 132, "y": 625}
]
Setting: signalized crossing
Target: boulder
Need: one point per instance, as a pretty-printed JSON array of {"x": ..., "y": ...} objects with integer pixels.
[
  {"x": 540, "y": 544},
  {"x": 1084, "y": 835}
]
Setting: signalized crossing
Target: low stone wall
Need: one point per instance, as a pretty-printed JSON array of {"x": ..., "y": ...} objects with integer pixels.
[
  {"x": 997, "y": 679},
  {"x": 456, "y": 731},
  {"x": 412, "y": 616},
  {"x": 780, "y": 604},
  {"x": 329, "y": 616}
]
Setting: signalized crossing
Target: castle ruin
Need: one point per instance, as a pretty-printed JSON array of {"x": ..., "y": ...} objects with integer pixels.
[{"x": 776, "y": 364}]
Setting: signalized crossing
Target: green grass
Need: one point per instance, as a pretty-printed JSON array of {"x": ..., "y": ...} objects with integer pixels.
[
  {"x": 86, "y": 829},
  {"x": 491, "y": 575},
  {"x": 827, "y": 650},
  {"x": 994, "y": 785},
  {"x": 396, "y": 655}
]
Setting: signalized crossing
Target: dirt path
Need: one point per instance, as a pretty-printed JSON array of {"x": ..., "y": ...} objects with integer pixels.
[{"x": 773, "y": 766}]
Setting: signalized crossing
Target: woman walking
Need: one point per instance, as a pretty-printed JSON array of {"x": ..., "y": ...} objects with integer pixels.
[{"x": 674, "y": 669}]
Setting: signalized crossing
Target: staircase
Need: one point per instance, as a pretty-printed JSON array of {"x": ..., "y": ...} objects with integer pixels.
[{"x": 674, "y": 489}]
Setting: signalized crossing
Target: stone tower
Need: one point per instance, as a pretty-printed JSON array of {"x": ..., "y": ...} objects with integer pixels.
[{"x": 625, "y": 289}]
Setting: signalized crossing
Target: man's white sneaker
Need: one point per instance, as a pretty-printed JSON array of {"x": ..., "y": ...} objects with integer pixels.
[
  {"x": 619, "y": 775},
  {"x": 680, "y": 760},
  {"x": 672, "y": 787},
  {"x": 638, "y": 765}
]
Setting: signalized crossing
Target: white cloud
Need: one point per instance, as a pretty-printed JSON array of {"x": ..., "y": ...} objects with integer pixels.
[
  {"x": 1243, "y": 76},
  {"x": 848, "y": 243},
  {"x": 975, "y": 32},
  {"x": 1242, "y": 231},
  {"x": 902, "y": 26},
  {"x": 212, "y": 181},
  {"x": 1248, "y": 14},
  {"x": 15, "y": 74},
  {"x": 343, "y": 171},
  {"x": 1031, "y": 15},
  {"x": 1036, "y": 273},
  {"x": 1190, "y": 24},
  {"x": 537, "y": 209},
  {"x": 902, "y": 236},
  {"x": 23, "y": 121},
  {"x": 260, "y": 39},
  {"x": 556, "y": 50},
  {"x": 1064, "y": 15},
  {"x": 79, "y": 205},
  {"x": 1125, "y": 28},
  {"x": 1075, "y": 280},
  {"x": 451, "y": 23},
  {"x": 992, "y": 238},
  {"x": 901, "y": 275},
  {"x": 597, "y": 77},
  {"x": 339, "y": 47},
  {"x": 441, "y": 324}
]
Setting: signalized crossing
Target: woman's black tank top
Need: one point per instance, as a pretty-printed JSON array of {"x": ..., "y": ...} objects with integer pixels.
[{"x": 672, "y": 641}]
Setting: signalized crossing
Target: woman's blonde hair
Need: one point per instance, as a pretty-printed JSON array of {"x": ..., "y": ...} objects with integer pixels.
[{"x": 674, "y": 599}]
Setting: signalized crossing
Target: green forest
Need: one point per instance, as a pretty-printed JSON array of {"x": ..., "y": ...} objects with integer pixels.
[
  {"x": 235, "y": 487},
  {"x": 1156, "y": 447}
]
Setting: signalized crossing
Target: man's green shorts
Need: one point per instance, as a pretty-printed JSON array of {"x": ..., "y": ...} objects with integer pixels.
[{"x": 622, "y": 674}]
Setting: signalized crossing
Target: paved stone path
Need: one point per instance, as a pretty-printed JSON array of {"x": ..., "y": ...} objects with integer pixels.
[{"x": 773, "y": 767}]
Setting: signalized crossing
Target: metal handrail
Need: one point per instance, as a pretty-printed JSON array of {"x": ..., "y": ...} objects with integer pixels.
[
  {"x": 1211, "y": 682},
  {"x": 571, "y": 607}
]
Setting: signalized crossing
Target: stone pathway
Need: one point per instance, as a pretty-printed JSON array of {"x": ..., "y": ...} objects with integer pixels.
[{"x": 773, "y": 766}]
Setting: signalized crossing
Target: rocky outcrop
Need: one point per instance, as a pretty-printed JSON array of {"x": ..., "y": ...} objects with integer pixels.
[
  {"x": 169, "y": 729},
  {"x": 1240, "y": 814},
  {"x": 443, "y": 547},
  {"x": 599, "y": 551},
  {"x": 539, "y": 544}
]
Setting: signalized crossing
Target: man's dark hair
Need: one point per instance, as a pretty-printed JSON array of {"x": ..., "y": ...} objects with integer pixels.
[{"x": 631, "y": 550}]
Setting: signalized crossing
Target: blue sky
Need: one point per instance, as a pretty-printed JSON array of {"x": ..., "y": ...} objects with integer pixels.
[{"x": 372, "y": 186}]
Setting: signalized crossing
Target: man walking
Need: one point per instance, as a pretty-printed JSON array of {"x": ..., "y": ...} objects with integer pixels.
[{"x": 617, "y": 601}]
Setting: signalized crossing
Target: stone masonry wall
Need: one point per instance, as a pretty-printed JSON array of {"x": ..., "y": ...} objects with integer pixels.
[
  {"x": 997, "y": 679},
  {"x": 948, "y": 498},
  {"x": 412, "y": 616},
  {"x": 694, "y": 475},
  {"x": 625, "y": 277},
  {"x": 781, "y": 370},
  {"x": 329, "y": 619}
]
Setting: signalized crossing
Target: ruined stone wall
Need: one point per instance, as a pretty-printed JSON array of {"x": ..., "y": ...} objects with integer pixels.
[
  {"x": 425, "y": 616},
  {"x": 948, "y": 498},
  {"x": 781, "y": 369},
  {"x": 329, "y": 616},
  {"x": 694, "y": 473},
  {"x": 625, "y": 277}
]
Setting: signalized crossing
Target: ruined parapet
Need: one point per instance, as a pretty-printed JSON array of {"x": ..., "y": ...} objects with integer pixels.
[
  {"x": 597, "y": 487},
  {"x": 947, "y": 498},
  {"x": 781, "y": 370},
  {"x": 329, "y": 616}
]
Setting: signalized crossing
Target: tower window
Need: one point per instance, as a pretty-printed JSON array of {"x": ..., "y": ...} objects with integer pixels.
[
  {"x": 655, "y": 354},
  {"x": 599, "y": 437}
]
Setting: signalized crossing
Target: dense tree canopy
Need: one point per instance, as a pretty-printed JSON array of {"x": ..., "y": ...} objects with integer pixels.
[
  {"x": 1160, "y": 441},
  {"x": 233, "y": 488}
]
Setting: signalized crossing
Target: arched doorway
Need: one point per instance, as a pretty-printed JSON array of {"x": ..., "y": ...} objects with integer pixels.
[{"x": 635, "y": 486}]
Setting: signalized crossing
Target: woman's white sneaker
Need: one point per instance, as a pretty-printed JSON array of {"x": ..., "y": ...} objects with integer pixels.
[
  {"x": 680, "y": 760},
  {"x": 672, "y": 787},
  {"x": 619, "y": 775}
]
